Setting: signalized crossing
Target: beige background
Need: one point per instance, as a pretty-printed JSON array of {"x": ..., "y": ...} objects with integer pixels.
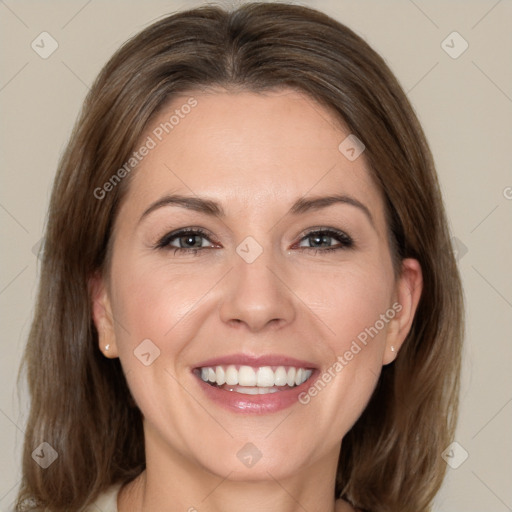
[{"x": 465, "y": 105}]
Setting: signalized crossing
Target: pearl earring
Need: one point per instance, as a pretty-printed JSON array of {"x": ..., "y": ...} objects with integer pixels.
[
  {"x": 392, "y": 348},
  {"x": 107, "y": 348}
]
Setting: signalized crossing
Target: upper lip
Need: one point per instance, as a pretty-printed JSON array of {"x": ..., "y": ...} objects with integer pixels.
[{"x": 256, "y": 361}]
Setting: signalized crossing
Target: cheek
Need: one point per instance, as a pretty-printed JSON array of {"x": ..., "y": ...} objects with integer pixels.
[
  {"x": 155, "y": 306},
  {"x": 356, "y": 305},
  {"x": 152, "y": 300},
  {"x": 350, "y": 300}
]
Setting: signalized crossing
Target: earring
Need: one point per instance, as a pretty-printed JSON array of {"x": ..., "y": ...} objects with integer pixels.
[
  {"x": 392, "y": 348},
  {"x": 107, "y": 348}
]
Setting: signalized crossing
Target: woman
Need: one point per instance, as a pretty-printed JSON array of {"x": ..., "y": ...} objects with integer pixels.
[{"x": 248, "y": 298}]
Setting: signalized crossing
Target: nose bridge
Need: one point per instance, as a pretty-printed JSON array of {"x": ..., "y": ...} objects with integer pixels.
[{"x": 256, "y": 295}]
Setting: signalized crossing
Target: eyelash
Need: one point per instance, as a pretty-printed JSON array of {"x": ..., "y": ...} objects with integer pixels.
[{"x": 345, "y": 240}]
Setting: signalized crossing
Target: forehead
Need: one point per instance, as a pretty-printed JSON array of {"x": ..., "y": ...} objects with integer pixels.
[{"x": 249, "y": 149}]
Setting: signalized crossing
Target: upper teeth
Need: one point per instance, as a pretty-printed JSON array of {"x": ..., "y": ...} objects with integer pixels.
[{"x": 263, "y": 376}]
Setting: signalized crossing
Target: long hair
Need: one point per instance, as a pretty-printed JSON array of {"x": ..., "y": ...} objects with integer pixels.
[{"x": 80, "y": 402}]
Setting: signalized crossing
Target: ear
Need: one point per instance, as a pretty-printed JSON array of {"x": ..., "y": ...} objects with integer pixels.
[
  {"x": 408, "y": 292},
  {"x": 102, "y": 316}
]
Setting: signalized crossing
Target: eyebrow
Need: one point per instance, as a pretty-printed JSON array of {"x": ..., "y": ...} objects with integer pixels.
[{"x": 214, "y": 209}]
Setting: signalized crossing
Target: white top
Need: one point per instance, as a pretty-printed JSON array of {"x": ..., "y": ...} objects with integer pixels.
[{"x": 106, "y": 502}]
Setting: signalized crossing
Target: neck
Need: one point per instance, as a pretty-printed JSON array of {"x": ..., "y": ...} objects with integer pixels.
[{"x": 175, "y": 480}]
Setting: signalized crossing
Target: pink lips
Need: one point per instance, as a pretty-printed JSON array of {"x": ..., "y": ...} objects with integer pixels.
[{"x": 254, "y": 404}]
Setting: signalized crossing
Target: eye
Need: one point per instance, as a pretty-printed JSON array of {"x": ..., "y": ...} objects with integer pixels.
[
  {"x": 186, "y": 240},
  {"x": 322, "y": 239},
  {"x": 193, "y": 240}
]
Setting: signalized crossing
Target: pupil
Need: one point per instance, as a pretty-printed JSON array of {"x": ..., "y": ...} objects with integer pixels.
[
  {"x": 190, "y": 240},
  {"x": 319, "y": 240}
]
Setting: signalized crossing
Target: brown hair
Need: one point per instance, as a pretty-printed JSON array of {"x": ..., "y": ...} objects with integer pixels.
[{"x": 80, "y": 402}]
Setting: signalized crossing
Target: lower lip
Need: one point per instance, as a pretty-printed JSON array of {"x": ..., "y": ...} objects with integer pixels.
[{"x": 255, "y": 404}]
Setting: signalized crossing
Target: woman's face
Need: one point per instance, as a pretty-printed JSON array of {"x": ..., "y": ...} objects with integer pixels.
[{"x": 251, "y": 248}]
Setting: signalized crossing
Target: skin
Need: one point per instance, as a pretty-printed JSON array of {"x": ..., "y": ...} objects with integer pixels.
[{"x": 254, "y": 154}]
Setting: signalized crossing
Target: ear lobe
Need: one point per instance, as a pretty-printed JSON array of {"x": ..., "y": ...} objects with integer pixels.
[
  {"x": 102, "y": 316},
  {"x": 408, "y": 293}
]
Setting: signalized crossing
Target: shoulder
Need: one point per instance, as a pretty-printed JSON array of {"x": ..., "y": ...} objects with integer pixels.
[{"x": 107, "y": 501}]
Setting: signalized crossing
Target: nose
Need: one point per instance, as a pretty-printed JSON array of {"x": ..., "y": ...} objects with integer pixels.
[{"x": 257, "y": 296}]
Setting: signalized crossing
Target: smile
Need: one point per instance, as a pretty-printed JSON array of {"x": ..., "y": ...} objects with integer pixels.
[
  {"x": 248, "y": 384},
  {"x": 254, "y": 380}
]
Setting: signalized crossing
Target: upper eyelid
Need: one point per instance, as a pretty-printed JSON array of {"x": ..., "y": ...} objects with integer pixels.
[
  {"x": 322, "y": 229},
  {"x": 171, "y": 235}
]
